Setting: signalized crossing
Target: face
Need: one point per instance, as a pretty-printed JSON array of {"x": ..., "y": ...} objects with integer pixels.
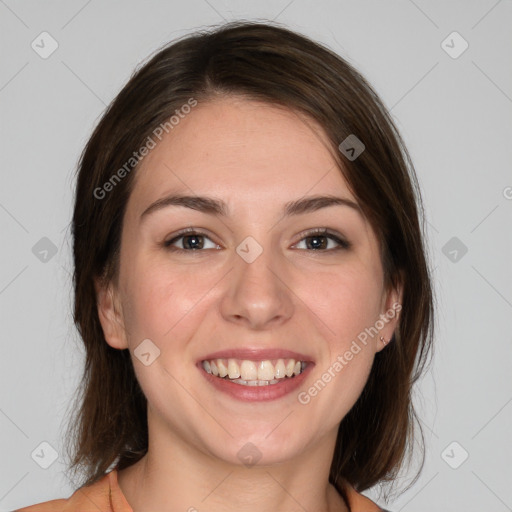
[{"x": 250, "y": 287}]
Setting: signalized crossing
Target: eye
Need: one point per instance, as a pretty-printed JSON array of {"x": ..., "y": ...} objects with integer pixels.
[
  {"x": 189, "y": 240},
  {"x": 321, "y": 239}
]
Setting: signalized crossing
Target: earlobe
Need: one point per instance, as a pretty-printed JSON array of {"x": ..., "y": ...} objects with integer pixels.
[
  {"x": 110, "y": 316},
  {"x": 390, "y": 317}
]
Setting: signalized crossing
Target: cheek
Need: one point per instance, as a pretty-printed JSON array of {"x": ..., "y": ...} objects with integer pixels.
[
  {"x": 347, "y": 301},
  {"x": 160, "y": 298},
  {"x": 346, "y": 306},
  {"x": 163, "y": 305}
]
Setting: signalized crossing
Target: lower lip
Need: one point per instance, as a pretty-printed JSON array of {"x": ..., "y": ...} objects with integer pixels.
[{"x": 257, "y": 393}]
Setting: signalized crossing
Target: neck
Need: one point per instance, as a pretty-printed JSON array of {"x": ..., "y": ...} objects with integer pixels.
[{"x": 174, "y": 475}]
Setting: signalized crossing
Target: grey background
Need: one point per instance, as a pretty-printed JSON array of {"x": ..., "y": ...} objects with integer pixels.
[{"x": 455, "y": 116}]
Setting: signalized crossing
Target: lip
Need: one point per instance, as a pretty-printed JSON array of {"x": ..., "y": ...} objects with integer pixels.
[
  {"x": 257, "y": 393},
  {"x": 257, "y": 354}
]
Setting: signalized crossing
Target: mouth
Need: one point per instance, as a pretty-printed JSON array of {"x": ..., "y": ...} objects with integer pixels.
[
  {"x": 248, "y": 372},
  {"x": 256, "y": 375}
]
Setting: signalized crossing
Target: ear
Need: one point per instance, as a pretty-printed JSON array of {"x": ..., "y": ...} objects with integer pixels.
[
  {"x": 110, "y": 315},
  {"x": 392, "y": 305}
]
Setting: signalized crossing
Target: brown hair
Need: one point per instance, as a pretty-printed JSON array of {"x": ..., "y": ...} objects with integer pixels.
[{"x": 272, "y": 64}]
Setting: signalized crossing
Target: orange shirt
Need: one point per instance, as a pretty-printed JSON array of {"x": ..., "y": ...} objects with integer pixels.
[{"x": 106, "y": 496}]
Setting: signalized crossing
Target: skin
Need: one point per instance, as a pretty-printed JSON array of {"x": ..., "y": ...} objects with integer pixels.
[{"x": 255, "y": 157}]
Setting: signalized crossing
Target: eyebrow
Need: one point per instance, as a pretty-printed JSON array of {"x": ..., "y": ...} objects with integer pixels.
[{"x": 218, "y": 207}]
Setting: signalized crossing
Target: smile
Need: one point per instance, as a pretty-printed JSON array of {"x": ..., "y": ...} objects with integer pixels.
[{"x": 254, "y": 373}]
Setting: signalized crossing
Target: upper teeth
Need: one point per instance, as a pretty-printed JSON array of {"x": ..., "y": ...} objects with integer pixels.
[{"x": 254, "y": 370}]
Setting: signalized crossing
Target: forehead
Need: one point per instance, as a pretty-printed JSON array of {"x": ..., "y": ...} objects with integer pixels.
[{"x": 242, "y": 148}]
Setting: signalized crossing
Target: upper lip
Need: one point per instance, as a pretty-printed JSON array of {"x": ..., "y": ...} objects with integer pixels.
[{"x": 257, "y": 354}]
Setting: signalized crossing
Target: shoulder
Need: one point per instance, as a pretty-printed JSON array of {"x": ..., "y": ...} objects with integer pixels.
[
  {"x": 98, "y": 494},
  {"x": 358, "y": 502},
  {"x": 47, "y": 506}
]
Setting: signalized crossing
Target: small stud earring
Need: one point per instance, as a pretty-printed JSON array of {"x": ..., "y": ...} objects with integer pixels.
[{"x": 384, "y": 341}]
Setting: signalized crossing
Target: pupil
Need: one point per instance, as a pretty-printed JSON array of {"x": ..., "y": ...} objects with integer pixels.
[
  {"x": 318, "y": 242},
  {"x": 195, "y": 242}
]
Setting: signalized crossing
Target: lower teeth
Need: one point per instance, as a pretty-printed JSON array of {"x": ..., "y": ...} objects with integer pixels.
[{"x": 255, "y": 382}]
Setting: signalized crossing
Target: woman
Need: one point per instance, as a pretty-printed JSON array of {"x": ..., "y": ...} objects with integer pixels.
[{"x": 250, "y": 284}]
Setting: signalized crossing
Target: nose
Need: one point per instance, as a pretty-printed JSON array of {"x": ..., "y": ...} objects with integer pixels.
[{"x": 257, "y": 294}]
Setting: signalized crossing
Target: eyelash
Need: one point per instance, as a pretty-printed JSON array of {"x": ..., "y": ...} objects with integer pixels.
[{"x": 343, "y": 244}]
